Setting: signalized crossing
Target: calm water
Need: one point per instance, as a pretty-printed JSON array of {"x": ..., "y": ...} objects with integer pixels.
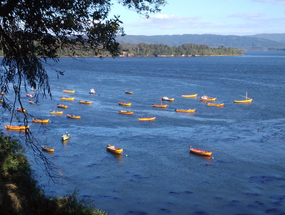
[{"x": 156, "y": 173}]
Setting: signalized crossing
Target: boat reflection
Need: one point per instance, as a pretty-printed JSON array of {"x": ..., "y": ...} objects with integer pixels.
[{"x": 117, "y": 156}]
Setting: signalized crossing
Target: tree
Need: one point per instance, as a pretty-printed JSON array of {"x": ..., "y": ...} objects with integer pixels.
[{"x": 33, "y": 31}]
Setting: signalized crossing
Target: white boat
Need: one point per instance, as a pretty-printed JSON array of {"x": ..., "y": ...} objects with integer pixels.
[
  {"x": 92, "y": 91},
  {"x": 65, "y": 136}
]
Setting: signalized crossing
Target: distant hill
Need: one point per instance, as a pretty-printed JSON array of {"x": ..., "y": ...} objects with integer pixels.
[{"x": 257, "y": 42}]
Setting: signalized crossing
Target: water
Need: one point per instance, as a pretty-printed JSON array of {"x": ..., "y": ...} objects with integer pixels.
[{"x": 156, "y": 173}]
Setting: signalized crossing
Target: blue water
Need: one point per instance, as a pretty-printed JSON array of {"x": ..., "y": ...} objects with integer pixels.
[{"x": 156, "y": 173}]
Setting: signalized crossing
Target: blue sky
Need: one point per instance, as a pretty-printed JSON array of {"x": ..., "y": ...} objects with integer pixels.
[{"x": 224, "y": 17}]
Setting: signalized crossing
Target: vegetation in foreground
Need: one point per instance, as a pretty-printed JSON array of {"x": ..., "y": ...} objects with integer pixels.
[{"x": 20, "y": 193}]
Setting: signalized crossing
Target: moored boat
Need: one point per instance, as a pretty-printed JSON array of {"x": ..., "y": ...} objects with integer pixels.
[
  {"x": 190, "y": 96},
  {"x": 215, "y": 105},
  {"x": 56, "y": 112},
  {"x": 40, "y": 120},
  {"x": 160, "y": 106},
  {"x": 2, "y": 94},
  {"x": 62, "y": 106},
  {"x": 207, "y": 98},
  {"x": 30, "y": 95},
  {"x": 47, "y": 149},
  {"x": 200, "y": 152},
  {"x": 31, "y": 102},
  {"x": 16, "y": 127},
  {"x": 65, "y": 136},
  {"x": 85, "y": 102},
  {"x": 167, "y": 99},
  {"x": 247, "y": 100},
  {"x": 92, "y": 91},
  {"x": 185, "y": 111},
  {"x": 69, "y": 91},
  {"x": 73, "y": 116},
  {"x": 67, "y": 98},
  {"x": 21, "y": 110},
  {"x": 125, "y": 104},
  {"x": 114, "y": 149},
  {"x": 126, "y": 112},
  {"x": 1, "y": 100},
  {"x": 147, "y": 119},
  {"x": 128, "y": 92},
  {"x": 32, "y": 89}
]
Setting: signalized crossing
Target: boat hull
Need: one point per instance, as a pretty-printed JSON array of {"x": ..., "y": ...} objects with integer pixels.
[
  {"x": 160, "y": 106},
  {"x": 215, "y": 105},
  {"x": 62, "y": 106},
  {"x": 47, "y": 149},
  {"x": 40, "y": 120},
  {"x": 114, "y": 150},
  {"x": 56, "y": 112},
  {"x": 125, "y": 104},
  {"x": 73, "y": 116},
  {"x": 126, "y": 112},
  {"x": 200, "y": 152},
  {"x": 147, "y": 119},
  {"x": 243, "y": 101},
  {"x": 69, "y": 91},
  {"x": 85, "y": 102},
  {"x": 186, "y": 111},
  {"x": 207, "y": 100},
  {"x": 128, "y": 92},
  {"x": 166, "y": 99},
  {"x": 190, "y": 96},
  {"x": 15, "y": 127},
  {"x": 67, "y": 99}
]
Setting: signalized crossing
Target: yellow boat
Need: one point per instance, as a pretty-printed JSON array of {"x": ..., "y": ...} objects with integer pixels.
[
  {"x": 31, "y": 102},
  {"x": 56, "y": 112},
  {"x": 215, "y": 105},
  {"x": 85, "y": 102},
  {"x": 69, "y": 91},
  {"x": 126, "y": 112},
  {"x": 65, "y": 136},
  {"x": 167, "y": 99},
  {"x": 200, "y": 152},
  {"x": 1, "y": 100},
  {"x": 185, "y": 111},
  {"x": 40, "y": 120},
  {"x": 73, "y": 116},
  {"x": 190, "y": 96},
  {"x": 147, "y": 119},
  {"x": 2, "y": 94},
  {"x": 47, "y": 149},
  {"x": 67, "y": 98},
  {"x": 125, "y": 104},
  {"x": 207, "y": 98},
  {"x": 247, "y": 100},
  {"x": 16, "y": 127},
  {"x": 114, "y": 149},
  {"x": 128, "y": 92},
  {"x": 62, "y": 106},
  {"x": 160, "y": 106},
  {"x": 21, "y": 110}
]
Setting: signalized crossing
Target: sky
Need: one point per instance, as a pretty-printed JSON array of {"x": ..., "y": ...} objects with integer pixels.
[{"x": 222, "y": 17}]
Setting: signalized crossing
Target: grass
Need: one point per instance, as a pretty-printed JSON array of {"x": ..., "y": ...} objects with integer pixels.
[{"x": 20, "y": 193}]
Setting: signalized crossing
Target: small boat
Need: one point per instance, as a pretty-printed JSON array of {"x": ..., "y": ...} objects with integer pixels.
[
  {"x": 160, "y": 106},
  {"x": 65, "y": 136},
  {"x": 56, "y": 112},
  {"x": 30, "y": 95},
  {"x": 128, "y": 92},
  {"x": 114, "y": 149},
  {"x": 40, "y": 120},
  {"x": 167, "y": 99},
  {"x": 67, "y": 98},
  {"x": 1, "y": 100},
  {"x": 73, "y": 116},
  {"x": 125, "y": 104},
  {"x": 85, "y": 102},
  {"x": 147, "y": 119},
  {"x": 247, "y": 100},
  {"x": 2, "y": 94},
  {"x": 16, "y": 127},
  {"x": 62, "y": 106},
  {"x": 200, "y": 152},
  {"x": 207, "y": 98},
  {"x": 190, "y": 96},
  {"x": 185, "y": 111},
  {"x": 215, "y": 105},
  {"x": 21, "y": 110},
  {"x": 33, "y": 89},
  {"x": 47, "y": 149},
  {"x": 31, "y": 102},
  {"x": 126, "y": 112},
  {"x": 69, "y": 91},
  {"x": 92, "y": 91}
]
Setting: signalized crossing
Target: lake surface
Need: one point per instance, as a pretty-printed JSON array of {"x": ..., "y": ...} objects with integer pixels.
[{"x": 156, "y": 173}]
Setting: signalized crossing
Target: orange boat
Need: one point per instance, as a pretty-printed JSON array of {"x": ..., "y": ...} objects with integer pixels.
[
  {"x": 128, "y": 92},
  {"x": 207, "y": 99},
  {"x": 114, "y": 149},
  {"x": 40, "y": 120},
  {"x": 67, "y": 98},
  {"x": 200, "y": 152},
  {"x": 147, "y": 119},
  {"x": 125, "y": 104},
  {"x": 85, "y": 102},
  {"x": 73, "y": 116},
  {"x": 31, "y": 102},
  {"x": 160, "y": 106},
  {"x": 215, "y": 105},
  {"x": 190, "y": 96},
  {"x": 2, "y": 94},
  {"x": 1, "y": 100},
  {"x": 62, "y": 106},
  {"x": 16, "y": 127},
  {"x": 126, "y": 112},
  {"x": 69, "y": 91},
  {"x": 185, "y": 111},
  {"x": 21, "y": 110}
]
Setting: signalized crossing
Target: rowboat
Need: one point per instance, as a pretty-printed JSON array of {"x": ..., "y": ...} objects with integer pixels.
[
  {"x": 56, "y": 112},
  {"x": 73, "y": 116},
  {"x": 1, "y": 100},
  {"x": 69, "y": 91},
  {"x": 190, "y": 96},
  {"x": 147, "y": 119},
  {"x": 125, "y": 104},
  {"x": 67, "y": 98},
  {"x": 128, "y": 92},
  {"x": 32, "y": 89},
  {"x": 31, "y": 102},
  {"x": 2, "y": 94},
  {"x": 92, "y": 91},
  {"x": 185, "y": 111},
  {"x": 62, "y": 106},
  {"x": 215, "y": 105},
  {"x": 21, "y": 110},
  {"x": 160, "y": 106},
  {"x": 30, "y": 95},
  {"x": 65, "y": 136},
  {"x": 16, "y": 127},
  {"x": 167, "y": 99},
  {"x": 207, "y": 98},
  {"x": 247, "y": 100},
  {"x": 200, "y": 152},
  {"x": 40, "y": 120},
  {"x": 114, "y": 149},
  {"x": 85, "y": 102},
  {"x": 47, "y": 149},
  {"x": 126, "y": 112}
]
